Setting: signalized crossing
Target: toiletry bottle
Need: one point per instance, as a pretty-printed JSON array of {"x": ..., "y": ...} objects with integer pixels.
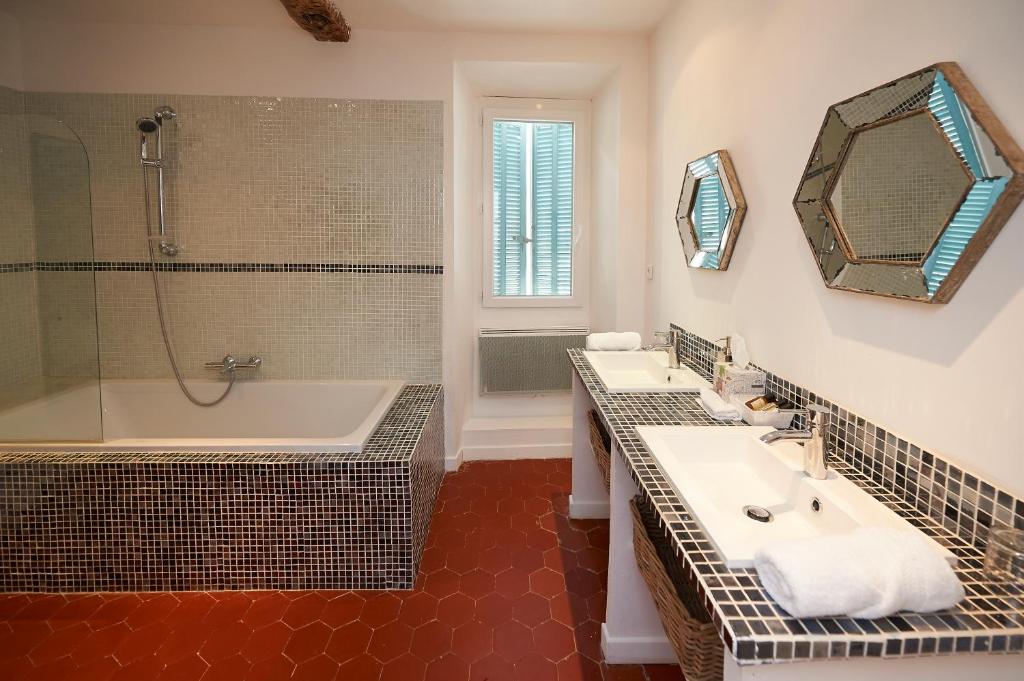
[{"x": 723, "y": 358}]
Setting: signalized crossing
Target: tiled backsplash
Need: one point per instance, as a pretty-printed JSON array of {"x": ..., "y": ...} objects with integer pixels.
[{"x": 958, "y": 500}]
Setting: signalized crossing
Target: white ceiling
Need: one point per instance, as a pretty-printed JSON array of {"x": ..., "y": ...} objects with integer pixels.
[{"x": 548, "y": 16}]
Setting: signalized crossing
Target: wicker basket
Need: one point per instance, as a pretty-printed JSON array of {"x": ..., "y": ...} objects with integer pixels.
[
  {"x": 600, "y": 442},
  {"x": 687, "y": 624}
]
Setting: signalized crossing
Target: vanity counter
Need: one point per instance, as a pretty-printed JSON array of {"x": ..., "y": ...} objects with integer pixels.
[{"x": 752, "y": 626}]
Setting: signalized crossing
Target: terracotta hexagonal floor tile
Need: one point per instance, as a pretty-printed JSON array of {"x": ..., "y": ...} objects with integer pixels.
[
  {"x": 390, "y": 641},
  {"x": 58, "y": 644},
  {"x": 186, "y": 669},
  {"x": 495, "y": 559},
  {"x": 473, "y": 641},
  {"x": 228, "y": 608},
  {"x": 441, "y": 583},
  {"x": 320, "y": 668},
  {"x": 431, "y": 641},
  {"x": 463, "y": 561},
  {"x": 349, "y": 641},
  {"x": 576, "y": 667},
  {"x": 492, "y": 668},
  {"x": 308, "y": 642},
  {"x": 266, "y": 642},
  {"x": 512, "y": 583},
  {"x": 233, "y": 667},
  {"x": 266, "y": 610},
  {"x": 360, "y": 667},
  {"x": 309, "y": 608},
  {"x": 274, "y": 669},
  {"x": 417, "y": 608},
  {"x": 534, "y": 667},
  {"x": 531, "y": 609},
  {"x": 408, "y": 667},
  {"x": 493, "y": 609},
  {"x": 513, "y": 641},
  {"x": 546, "y": 582},
  {"x": 528, "y": 559},
  {"x": 380, "y": 609},
  {"x": 554, "y": 640},
  {"x": 342, "y": 610},
  {"x": 562, "y": 610},
  {"x": 455, "y": 609},
  {"x": 222, "y": 643},
  {"x": 447, "y": 668},
  {"x": 476, "y": 584}
]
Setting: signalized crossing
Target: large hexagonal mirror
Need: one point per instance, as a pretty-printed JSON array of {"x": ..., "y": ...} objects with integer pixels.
[
  {"x": 710, "y": 211},
  {"x": 907, "y": 185}
]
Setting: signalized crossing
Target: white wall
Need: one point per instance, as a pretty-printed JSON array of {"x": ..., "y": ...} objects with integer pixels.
[
  {"x": 99, "y": 57},
  {"x": 755, "y": 77},
  {"x": 10, "y": 51}
]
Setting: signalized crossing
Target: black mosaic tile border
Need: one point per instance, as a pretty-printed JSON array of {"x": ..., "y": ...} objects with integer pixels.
[
  {"x": 231, "y": 267},
  {"x": 207, "y": 521},
  {"x": 754, "y": 628}
]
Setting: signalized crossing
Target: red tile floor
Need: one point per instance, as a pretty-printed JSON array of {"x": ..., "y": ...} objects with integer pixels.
[{"x": 510, "y": 588}]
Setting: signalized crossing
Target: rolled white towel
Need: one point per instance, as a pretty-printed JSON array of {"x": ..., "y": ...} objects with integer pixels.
[
  {"x": 716, "y": 407},
  {"x": 626, "y": 340},
  {"x": 870, "y": 572}
]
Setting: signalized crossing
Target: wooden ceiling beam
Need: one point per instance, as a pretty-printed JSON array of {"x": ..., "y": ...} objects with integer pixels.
[{"x": 320, "y": 18}]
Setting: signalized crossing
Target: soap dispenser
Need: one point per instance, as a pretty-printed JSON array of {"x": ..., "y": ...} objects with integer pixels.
[{"x": 723, "y": 358}]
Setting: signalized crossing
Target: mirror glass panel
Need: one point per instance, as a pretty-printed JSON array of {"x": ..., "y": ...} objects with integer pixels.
[
  {"x": 906, "y": 186},
  {"x": 710, "y": 211}
]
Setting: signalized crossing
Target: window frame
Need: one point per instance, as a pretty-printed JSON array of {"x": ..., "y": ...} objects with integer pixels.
[{"x": 576, "y": 112}]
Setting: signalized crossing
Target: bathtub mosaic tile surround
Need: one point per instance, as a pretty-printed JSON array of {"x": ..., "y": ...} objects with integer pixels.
[
  {"x": 311, "y": 232},
  {"x": 177, "y": 521},
  {"x": 960, "y": 501},
  {"x": 752, "y": 626}
]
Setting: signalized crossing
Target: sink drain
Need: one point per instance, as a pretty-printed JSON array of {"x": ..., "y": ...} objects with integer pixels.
[{"x": 758, "y": 513}]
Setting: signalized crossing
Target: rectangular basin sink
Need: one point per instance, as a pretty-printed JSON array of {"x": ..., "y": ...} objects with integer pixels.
[
  {"x": 718, "y": 472},
  {"x": 643, "y": 372}
]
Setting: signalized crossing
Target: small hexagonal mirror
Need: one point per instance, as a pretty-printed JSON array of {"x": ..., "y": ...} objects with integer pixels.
[
  {"x": 710, "y": 211},
  {"x": 907, "y": 185}
]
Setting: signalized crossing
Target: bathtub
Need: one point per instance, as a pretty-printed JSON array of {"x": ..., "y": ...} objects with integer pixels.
[{"x": 153, "y": 416}]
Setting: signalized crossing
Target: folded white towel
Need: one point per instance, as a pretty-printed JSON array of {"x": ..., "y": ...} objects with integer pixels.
[
  {"x": 716, "y": 407},
  {"x": 627, "y": 340},
  {"x": 870, "y": 572}
]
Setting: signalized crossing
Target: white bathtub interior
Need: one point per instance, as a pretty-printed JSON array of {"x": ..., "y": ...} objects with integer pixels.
[{"x": 153, "y": 416}]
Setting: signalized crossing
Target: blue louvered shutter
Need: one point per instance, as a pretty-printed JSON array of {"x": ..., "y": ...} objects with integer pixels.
[
  {"x": 552, "y": 209},
  {"x": 509, "y": 228}
]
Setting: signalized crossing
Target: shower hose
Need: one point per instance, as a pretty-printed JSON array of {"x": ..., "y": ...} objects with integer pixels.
[{"x": 160, "y": 310}]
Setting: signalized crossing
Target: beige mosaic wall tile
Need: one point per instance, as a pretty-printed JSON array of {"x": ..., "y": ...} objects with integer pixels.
[
  {"x": 304, "y": 325},
  {"x": 19, "y": 322},
  {"x": 268, "y": 179}
]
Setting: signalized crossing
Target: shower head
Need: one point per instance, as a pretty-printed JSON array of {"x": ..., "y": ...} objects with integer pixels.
[{"x": 147, "y": 125}]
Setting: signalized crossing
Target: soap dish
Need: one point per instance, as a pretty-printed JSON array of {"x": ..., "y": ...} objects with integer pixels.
[{"x": 779, "y": 419}]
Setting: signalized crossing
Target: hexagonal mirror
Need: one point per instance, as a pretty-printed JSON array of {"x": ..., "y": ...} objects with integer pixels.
[
  {"x": 907, "y": 185},
  {"x": 710, "y": 211}
]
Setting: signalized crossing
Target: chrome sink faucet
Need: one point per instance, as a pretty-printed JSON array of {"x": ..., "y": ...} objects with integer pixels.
[
  {"x": 669, "y": 342},
  {"x": 814, "y": 437}
]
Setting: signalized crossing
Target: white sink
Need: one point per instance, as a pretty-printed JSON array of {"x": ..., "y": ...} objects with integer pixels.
[
  {"x": 718, "y": 471},
  {"x": 643, "y": 372}
]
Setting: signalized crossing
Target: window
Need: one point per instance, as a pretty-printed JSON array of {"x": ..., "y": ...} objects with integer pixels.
[{"x": 533, "y": 172}]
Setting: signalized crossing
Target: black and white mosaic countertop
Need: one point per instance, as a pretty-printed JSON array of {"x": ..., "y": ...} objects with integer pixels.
[{"x": 754, "y": 628}]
